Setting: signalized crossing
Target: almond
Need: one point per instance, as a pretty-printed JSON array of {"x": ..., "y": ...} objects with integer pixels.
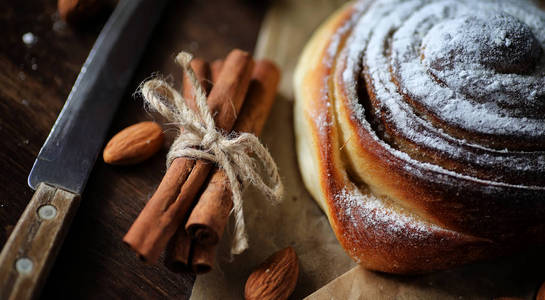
[
  {"x": 275, "y": 278},
  {"x": 134, "y": 144}
]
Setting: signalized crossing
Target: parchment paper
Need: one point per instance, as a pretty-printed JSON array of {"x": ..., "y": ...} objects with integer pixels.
[
  {"x": 299, "y": 222},
  {"x": 517, "y": 276}
]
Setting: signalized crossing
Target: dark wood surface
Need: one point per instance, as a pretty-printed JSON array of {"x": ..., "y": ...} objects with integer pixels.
[{"x": 34, "y": 83}]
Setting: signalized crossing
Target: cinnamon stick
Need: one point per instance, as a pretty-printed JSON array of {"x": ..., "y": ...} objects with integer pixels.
[
  {"x": 178, "y": 255},
  {"x": 168, "y": 207},
  {"x": 179, "y": 247},
  {"x": 202, "y": 258},
  {"x": 178, "y": 252},
  {"x": 210, "y": 215},
  {"x": 202, "y": 71},
  {"x": 184, "y": 255},
  {"x": 215, "y": 69}
]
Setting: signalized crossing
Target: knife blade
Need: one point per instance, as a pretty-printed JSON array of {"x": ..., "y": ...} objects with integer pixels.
[
  {"x": 69, "y": 153},
  {"x": 66, "y": 159}
]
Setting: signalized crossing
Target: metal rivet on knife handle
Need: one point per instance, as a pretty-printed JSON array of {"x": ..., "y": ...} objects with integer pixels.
[
  {"x": 24, "y": 266},
  {"x": 47, "y": 212}
]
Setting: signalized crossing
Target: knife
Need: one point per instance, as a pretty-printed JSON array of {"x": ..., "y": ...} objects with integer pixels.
[{"x": 66, "y": 159}]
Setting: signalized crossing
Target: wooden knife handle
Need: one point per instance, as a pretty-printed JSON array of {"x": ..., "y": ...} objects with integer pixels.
[{"x": 30, "y": 251}]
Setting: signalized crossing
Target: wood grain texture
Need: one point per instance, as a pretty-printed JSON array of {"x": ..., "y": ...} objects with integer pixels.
[
  {"x": 34, "y": 83},
  {"x": 35, "y": 242}
]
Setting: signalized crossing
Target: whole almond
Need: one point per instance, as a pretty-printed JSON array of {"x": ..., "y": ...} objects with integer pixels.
[
  {"x": 275, "y": 278},
  {"x": 134, "y": 144}
]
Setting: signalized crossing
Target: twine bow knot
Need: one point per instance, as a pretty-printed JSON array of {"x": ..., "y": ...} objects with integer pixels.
[
  {"x": 200, "y": 139},
  {"x": 210, "y": 138}
]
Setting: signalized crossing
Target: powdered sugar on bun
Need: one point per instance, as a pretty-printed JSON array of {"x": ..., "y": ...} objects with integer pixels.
[
  {"x": 458, "y": 80},
  {"x": 420, "y": 127}
]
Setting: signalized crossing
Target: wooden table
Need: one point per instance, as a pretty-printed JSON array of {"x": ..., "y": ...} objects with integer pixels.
[{"x": 34, "y": 83}]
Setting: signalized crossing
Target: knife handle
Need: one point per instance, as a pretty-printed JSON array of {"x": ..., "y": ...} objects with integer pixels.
[{"x": 30, "y": 251}]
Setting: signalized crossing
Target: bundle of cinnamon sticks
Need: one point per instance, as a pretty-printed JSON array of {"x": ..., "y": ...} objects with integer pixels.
[{"x": 190, "y": 209}]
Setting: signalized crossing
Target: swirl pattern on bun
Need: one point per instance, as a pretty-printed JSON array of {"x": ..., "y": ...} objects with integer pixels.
[{"x": 420, "y": 130}]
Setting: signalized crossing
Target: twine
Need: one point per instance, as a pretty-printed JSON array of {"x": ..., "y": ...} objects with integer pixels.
[{"x": 200, "y": 139}]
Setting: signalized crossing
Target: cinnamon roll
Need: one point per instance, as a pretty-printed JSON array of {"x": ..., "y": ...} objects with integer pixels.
[{"x": 420, "y": 130}]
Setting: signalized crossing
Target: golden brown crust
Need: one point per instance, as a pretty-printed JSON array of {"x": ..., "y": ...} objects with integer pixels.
[{"x": 392, "y": 212}]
